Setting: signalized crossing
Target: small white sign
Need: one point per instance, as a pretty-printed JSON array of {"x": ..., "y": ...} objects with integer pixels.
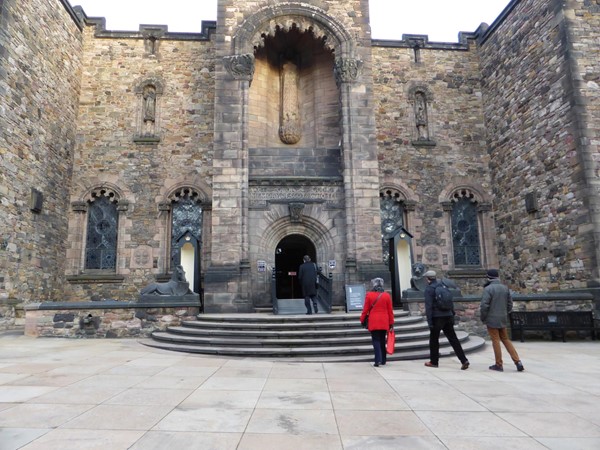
[
  {"x": 332, "y": 263},
  {"x": 262, "y": 266}
]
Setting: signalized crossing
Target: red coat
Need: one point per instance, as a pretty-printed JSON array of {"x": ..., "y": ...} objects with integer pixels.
[{"x": 381, "y": 316}]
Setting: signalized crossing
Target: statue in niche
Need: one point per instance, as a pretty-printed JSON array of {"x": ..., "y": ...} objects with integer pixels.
[
  {"x": 149, "y": 96},
  {"x": 289, "y": 121},
  {"x": 148, "y": 110},
  {"x": 421, "y": 116}
]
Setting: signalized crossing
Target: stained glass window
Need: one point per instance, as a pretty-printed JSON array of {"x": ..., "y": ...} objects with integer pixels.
[
  {"x": 465, "y": 233},
  {"x": 102, "y": 229},
  {"x": 392, "y": 218},
  {"x": 186, "y": 217}
]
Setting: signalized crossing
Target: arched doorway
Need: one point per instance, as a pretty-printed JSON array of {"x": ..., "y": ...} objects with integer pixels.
[{"x": 288, "y": 258}]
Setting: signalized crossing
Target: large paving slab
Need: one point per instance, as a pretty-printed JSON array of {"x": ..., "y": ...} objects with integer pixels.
[{"x": 121, "y": 394}]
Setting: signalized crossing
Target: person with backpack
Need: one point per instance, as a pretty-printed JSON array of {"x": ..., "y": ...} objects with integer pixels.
[
  {"x": 439, "y": 309},
  {"x": 496, "y": 304}
]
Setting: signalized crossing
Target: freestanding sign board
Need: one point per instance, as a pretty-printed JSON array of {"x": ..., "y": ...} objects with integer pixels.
[{"x": 355, "y": 297}]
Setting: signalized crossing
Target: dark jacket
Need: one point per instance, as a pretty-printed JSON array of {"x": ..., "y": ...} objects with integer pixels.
[
  {"x": 430, "y": 310},
  {"x": 307, "y": 275},
  {"x": 496, "y": 303}
]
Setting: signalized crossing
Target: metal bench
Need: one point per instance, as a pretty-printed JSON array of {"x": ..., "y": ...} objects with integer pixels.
[{"x": 552, "y": 321}]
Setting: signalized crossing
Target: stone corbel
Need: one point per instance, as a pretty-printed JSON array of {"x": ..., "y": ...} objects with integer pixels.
[
  {"x": 346, "y": 70},
  {"x": 296, "y": 209},
  {"x": 240, "y": 67}
]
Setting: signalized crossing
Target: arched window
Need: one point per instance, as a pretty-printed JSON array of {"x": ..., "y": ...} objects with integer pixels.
[
  {"x": 186, "y": 234},
  {"x": 465, "y": 230},
  {"x": 392, "y": 217},
  {"x": 102, "y": 232}
]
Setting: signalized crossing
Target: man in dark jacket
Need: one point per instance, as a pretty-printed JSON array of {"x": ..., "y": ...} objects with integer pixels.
[
  {"x": 307, "y": 275},
  {"x": 439, "y": 320},
  {"x": 496, "y": 303}
]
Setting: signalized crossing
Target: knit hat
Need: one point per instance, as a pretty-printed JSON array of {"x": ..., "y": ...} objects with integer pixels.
[
  {"x": 492, "y": 273},
  {"x": 429, "y": 274}
]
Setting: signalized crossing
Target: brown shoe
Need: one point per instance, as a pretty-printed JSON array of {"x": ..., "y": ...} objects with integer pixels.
[
  {"x": 430, "y": 364},
  {"x": 465, "y": 365}
]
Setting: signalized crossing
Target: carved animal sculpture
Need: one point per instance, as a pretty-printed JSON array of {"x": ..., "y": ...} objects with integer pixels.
[
  {"x": 177, "y": 285},
  {"x": 417, "y": 281},
  {"x": 418, "y": 269}
]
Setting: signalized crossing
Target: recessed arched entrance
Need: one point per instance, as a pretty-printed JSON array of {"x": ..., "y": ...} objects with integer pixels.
[{"x": 288, "y": 258}]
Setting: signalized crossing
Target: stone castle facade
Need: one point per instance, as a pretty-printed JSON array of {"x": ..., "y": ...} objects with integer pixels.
[{"x": 282, "y": 129}]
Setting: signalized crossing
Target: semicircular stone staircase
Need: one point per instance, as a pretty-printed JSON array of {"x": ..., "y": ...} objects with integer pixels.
[{"x": 316, "y": 338}]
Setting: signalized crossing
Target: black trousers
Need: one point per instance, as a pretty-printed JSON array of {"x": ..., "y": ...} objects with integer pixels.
[
  {"x": 307, "y": 301},
  {"x": 445, "y": 324},
  {"x": 378, "y": 340}
]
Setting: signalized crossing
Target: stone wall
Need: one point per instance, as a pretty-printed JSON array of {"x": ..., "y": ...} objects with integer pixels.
[
  {"x": 40, "y": 73},
  {"x": 102, "y": 319},
  {"x": 144, "y": 168},
  {"x": 548, "y": 242},
  {"x": 583, "y": 34},
  {"x": 426, "y": 173}
]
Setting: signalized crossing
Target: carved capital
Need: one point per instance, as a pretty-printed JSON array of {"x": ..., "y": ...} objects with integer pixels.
[
  {"x": 484, "y": 207},
  {"x": 123, "y": 205},
  {"x": 447, "y": 206},
  {"x": 240, "y": 67},
  {"x": 164, "y": 206},
  {"x": 79, "y": 206},
  {"x": 410, "y": 205},
  {"x": 346, "y": 70}
]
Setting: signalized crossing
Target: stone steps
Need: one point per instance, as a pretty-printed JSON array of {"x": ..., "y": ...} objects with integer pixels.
[{"x": 318, "y": 338}]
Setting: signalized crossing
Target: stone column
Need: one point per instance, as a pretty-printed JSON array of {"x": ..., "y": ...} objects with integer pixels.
[
  {"x": 361, "y": 174},
  {"x": 224, "y": 279}
]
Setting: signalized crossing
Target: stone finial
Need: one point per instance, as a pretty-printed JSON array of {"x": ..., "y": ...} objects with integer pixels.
[{"x": 240, "y": 67}]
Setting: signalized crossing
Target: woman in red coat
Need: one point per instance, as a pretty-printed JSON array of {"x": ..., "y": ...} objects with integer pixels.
[{"x": 378, "y": 306}]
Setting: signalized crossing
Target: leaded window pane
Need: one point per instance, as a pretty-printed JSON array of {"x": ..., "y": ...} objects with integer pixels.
[
  {"x": 102, "y": 230},
  {"x": 392, "y": 218},
  {"x": 465, "y": 234},
  {"x": 186, "y": 215}
]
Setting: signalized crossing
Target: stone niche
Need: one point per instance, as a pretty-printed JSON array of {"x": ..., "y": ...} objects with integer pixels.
[{"x": 293, "y": 98}]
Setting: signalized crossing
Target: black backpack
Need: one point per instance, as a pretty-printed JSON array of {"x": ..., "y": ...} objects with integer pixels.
[{"x": 443, "y": 298}]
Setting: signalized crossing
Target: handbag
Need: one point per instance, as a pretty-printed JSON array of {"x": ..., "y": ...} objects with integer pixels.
[
  {"x": 365, "y": 323},
  {"x": 391, "y": 342}
]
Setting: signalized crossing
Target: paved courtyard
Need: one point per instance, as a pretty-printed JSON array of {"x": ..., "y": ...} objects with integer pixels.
[{"x": 120, "y": 394}]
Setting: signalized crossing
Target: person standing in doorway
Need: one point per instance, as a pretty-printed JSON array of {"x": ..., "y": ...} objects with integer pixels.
[
  {"x": 307, "y": 275},
  {"x": 440, "y": 320},
  {"x": 378, "y": 308},
  {"x": 496, "y": 304}
]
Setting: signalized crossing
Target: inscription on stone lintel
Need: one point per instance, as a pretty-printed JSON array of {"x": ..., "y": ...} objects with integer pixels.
[{"x": 260, "y": 196}]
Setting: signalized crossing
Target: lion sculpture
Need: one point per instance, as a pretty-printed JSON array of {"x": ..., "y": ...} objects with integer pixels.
[
  {"x": 176, "y": 286},
  {"x": 417, "y": 282}
]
